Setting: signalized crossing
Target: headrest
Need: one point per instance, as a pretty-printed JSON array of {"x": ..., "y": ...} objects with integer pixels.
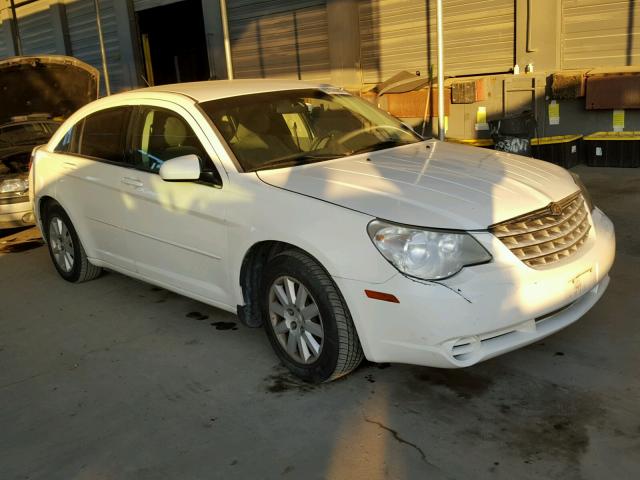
[
  {"x": 175, "y": 132},
  {"x": 257, "y": 121}
]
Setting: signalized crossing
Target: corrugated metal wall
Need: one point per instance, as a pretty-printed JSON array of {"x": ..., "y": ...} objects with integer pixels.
[
  {"x": 270, "y": 38},
  {"x": 395, "y": 35},
  {"x": 145, "y": 4},
  {"x": 83, "y": 35},
  {"x": 598, "y": 33},
  {"x": 36, "y": 29},
  {"x": 479, "y": 36},
  {"x": 4, "y": 48}
]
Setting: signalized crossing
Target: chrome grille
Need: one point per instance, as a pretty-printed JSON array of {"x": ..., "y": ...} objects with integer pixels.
[{"x": 547, "y": 235}]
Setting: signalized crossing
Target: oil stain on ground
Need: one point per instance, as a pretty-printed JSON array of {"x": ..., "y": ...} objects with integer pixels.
[
  {"x": 284, "y": 382},
  {"x": 163, "y": 296},
  {"x": 225, "y": 325},
  {"x": 536, "y": 421},
  {"x": 197, "y": 316},
  {"x": 551, "y": 422},
  {"x": 461, "y": 382}
]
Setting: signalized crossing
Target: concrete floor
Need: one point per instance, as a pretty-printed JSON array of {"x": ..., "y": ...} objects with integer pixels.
[{"x": 115, "y": 379}]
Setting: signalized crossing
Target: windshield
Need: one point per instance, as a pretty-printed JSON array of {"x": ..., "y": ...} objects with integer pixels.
[
  {"x": 279, "y": 129},
  {"x": 32, "y": 133}
]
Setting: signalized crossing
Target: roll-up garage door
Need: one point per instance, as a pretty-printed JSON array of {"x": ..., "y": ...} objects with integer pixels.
[
  {"x": 271, "y": 38},
  {"x": 598, "y": 33},
  {"x": 85, "y": 44},
  {"x": 396, "y": 35},
  {"x": 36, "y": 29}
]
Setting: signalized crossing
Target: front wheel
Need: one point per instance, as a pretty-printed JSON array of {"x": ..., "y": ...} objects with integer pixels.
[
  {"x": 65, "y": 248},
  {"x": 307, "y": 320}
]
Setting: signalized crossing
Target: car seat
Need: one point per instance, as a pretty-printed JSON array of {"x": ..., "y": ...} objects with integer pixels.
[
  {"x": 176, "y": 139},
  {"x": 260, "y": 138}
]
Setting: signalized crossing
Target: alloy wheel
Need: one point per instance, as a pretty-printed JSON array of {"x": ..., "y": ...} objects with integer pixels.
[
  {"x": 296, "y": 320},
  {"x": 61, "y": 244}
]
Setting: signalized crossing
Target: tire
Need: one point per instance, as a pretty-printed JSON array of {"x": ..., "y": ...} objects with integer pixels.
[
  {"x": 65, "y": 249},
  {"x": 331, "y": 355}
]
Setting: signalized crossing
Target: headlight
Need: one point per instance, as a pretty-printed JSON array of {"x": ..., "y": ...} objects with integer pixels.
[
  {"x": 585, "y": 193},
  {"x": 12, "y": 185},
  {"x": 426, "y": 254}
]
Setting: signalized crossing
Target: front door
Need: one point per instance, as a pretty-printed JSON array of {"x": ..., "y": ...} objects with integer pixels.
[{"x": 177, "y": 230}]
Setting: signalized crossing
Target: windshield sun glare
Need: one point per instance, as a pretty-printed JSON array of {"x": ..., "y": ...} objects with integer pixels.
[{"x": 295, "y": 127}]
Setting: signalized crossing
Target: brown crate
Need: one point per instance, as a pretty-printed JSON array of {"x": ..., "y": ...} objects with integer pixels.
[
  {"x": 412, "y": 104},
  {"x": 568, "y": 85},
  {"x": 463, "y": 92},
  {"x": 617, "y": 91},
  {"x": 468, "y": 92}
]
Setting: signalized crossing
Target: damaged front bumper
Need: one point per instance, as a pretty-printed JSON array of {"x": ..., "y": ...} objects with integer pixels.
[{"x": 483, "y": 311}]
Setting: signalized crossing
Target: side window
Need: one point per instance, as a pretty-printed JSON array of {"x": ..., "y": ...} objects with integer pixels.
[
  {"x": 70, "y": 141},
  {"x": 103, "y": 135},
  {"x": 161, "y": 135}
]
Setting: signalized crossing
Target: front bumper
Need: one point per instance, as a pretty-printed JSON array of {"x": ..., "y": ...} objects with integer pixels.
[
  {"x": 16, "y": 215},
  {"x": 483, "y": 311}
]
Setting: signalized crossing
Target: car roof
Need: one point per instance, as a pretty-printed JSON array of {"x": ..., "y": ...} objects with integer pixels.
[{"x": 217, "y": 89}]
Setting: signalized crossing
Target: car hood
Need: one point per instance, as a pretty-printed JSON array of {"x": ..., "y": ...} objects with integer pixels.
[
  {"x": 55, "y": 85},
  {"x": 431, "y": 184}
]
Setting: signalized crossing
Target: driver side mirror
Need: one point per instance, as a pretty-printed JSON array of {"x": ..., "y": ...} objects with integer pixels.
[{"x": 181, "y": 169}]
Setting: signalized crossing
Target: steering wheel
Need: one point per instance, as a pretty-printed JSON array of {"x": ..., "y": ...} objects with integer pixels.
[{"x": 321, "y": 142}]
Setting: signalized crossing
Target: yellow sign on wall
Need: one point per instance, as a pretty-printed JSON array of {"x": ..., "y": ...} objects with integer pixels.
[
  {"x": 554, "y": 113},
  {"x": 618, "y": 120}
]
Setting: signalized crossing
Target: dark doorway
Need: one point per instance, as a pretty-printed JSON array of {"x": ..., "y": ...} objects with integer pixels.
[{"x": 174, "y": 46}]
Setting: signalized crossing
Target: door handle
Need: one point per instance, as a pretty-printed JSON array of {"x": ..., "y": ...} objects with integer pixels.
[
  {"x": 69, "y": 165},
  {"x": 134, "y": 182}
]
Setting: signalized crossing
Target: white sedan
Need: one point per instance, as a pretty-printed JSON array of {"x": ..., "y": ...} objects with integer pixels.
[{"x": 311, "y": 212}]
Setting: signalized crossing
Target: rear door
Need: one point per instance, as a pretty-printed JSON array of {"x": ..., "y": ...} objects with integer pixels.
[
  {"x": 93, "y": 174},
  {"x": 177, "y": 230}
]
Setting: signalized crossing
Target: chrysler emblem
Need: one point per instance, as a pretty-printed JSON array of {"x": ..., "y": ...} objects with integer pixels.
[{"x": 555, "y": 209}]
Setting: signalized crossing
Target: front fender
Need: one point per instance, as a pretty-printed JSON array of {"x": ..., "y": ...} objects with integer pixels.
[{"x": 337, "y": 237}]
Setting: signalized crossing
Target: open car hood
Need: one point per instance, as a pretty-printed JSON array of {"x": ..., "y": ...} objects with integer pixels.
[{"x": 54, "y": 84}]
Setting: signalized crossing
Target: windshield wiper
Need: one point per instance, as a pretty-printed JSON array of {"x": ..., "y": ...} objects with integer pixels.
[
  {"x": 299, "y": 159},
  {"x": 379, "y": 146}
]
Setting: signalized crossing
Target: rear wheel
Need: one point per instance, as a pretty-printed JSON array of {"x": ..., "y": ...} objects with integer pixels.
[
  {"x": 65, "y": 248},
  {"x": 307, "y": 320}
]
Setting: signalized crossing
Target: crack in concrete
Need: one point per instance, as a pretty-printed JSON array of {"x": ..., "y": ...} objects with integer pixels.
[{"x": 401, "y": 440}]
